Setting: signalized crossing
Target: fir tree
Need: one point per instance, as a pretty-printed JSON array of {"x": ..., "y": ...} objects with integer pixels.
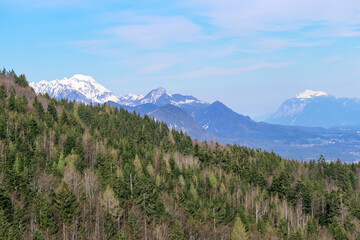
[
  {"x": 44, "y": 214},
  {"x": 239, "y": 232},
  {"x": 66, "y": 205}
]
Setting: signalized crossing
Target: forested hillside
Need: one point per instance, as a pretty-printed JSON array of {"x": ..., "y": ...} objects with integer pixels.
[{"x": 75, "y": 171}]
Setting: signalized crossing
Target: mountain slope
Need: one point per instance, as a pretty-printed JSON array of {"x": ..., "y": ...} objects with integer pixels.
[
  {"x": 83, "y": 88},
  {"x": 317, "y": 110},
  {"x": 180, "y": 120},
  {"x": 218, "y": 118},
  {"x": 80, "y": 88}
]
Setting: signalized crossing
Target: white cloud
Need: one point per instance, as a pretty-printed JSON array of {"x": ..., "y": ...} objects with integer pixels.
[
  {"x": 155, "y": 31},
  {"x": 240, "y": 17},
  {"x": 154, "y": 68},
  {"x": 218, "y": 71}
]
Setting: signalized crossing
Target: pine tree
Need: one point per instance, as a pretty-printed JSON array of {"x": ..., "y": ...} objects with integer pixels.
[
  {"x": 239, "y": 232},
  {"x": 311, "y": 229},
  {"x": 4, "y": 225},
  {"x": 44, "y": 214},
  {"x": 39, "y": 107},
  {"x": 11, "y": 101},
  {"x": 109, "y": 225},
  {"x": 66, "y": 205},
  {"x": 177, "y": 233},
  {"x": 338, "y": 232},
  {"x": 281, "y": 184},
  {"x": 52, "y": 110},
  {"x": 38, "y": 236},
  {"x": 134, "y": 226}
]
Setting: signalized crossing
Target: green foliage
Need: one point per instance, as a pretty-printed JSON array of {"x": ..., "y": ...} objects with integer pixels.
[
  {"x": 39, "y": 107},
  {"x": 134, "y": 226},
  {"x": 21, "y": 80},
  {"x": 311, "y": 228},
  {"x": 239, "y": 231},
  {"x": 283, "y": 228},
  {"x": 338, "y": 232},
  {"x": 281, "y": 185},
  {"x": 66, "y": 204},
  {"x": 177, "y": 233},
  {"x": 38, "y": 236},
  {"x": 296, "y": 236},
  {"x": 109, "y": 226},
  {"x": 52, "y": 110},
  {"x": 44, "y": 214}
]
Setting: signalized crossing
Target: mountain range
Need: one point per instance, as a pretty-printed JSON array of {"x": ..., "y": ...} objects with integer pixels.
[{"x": 216, "y": 121}]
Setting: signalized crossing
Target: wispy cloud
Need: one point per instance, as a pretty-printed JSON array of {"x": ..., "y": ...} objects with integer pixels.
[
  {"x": 218, "y": 71},
  {"x": 331, "y": 59},
  {"x": 156, "y": 31},
  {"x": 243, "y": 17},
  {"x": 154, "y": 68},
  {"x": 267, "y": 44}
]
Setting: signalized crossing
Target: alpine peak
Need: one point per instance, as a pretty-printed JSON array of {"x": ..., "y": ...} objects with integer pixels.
[
  {"x": 311, "y": 94},
  {"x": 154, "y": 95},
  {"x": 82, "y": 88}
]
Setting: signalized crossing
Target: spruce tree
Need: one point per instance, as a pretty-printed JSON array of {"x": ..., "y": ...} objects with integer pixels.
[
  {"x": 66, "y": 205},
  {"x": 109, "y": 225},
  {"x": 239, "y": 232},
  {"x": 177, "y": 233},
  {"x": 52, "y": 110},
  {"x": 44, "y": 214},
  {"x": 11, "y": 101}
]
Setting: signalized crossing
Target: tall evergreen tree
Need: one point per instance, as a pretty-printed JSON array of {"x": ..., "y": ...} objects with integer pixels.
[
  {"x": 66, "y": 205},
  {"x": 239, "y": 232}
]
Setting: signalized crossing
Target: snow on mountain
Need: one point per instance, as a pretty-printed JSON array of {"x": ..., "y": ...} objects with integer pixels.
[
  {"x": 83, "y": 88},
  {"x": 154, "y": 95},
  {"x": 317, "y": 109},
  {"x": 79, "y": 87},
  {"x": 130, "y": 100},
  {"x": 310, "y": 94}
]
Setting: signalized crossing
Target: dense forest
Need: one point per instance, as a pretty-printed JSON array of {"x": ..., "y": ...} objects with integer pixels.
[{"x": 76, "y": 171}]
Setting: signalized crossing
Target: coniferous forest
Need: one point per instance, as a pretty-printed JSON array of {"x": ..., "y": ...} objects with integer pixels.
[{"x": 76, "y": 171}]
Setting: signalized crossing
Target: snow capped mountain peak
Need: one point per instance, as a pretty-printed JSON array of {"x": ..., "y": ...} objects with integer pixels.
[
  {"x": 132, "y": 97},
  {"x": 83, "y": 88},
  {"x": 310, "y": 94},
  {"x": 154, "y": 95},
  {"x": 82, "y": 77}
]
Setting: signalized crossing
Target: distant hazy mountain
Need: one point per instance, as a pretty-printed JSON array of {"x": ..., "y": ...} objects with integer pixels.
[
  {"x": 176, "y": 118},
  {"x": 317, "y": 109},
  {"x": 221, "y": 120}
]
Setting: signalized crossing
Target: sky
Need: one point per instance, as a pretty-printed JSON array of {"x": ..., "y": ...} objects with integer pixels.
[{"x": 249, "y": 54}]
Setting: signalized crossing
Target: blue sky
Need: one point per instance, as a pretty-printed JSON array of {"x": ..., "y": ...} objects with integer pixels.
[{"x": 251, "y": 55}]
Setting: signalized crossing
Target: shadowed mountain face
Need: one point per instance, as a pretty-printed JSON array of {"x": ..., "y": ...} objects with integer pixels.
[
  {"x": 219, "y": 119},
  {"x": 216, "y": 121},
  {"x": 176, "y": 118}
]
